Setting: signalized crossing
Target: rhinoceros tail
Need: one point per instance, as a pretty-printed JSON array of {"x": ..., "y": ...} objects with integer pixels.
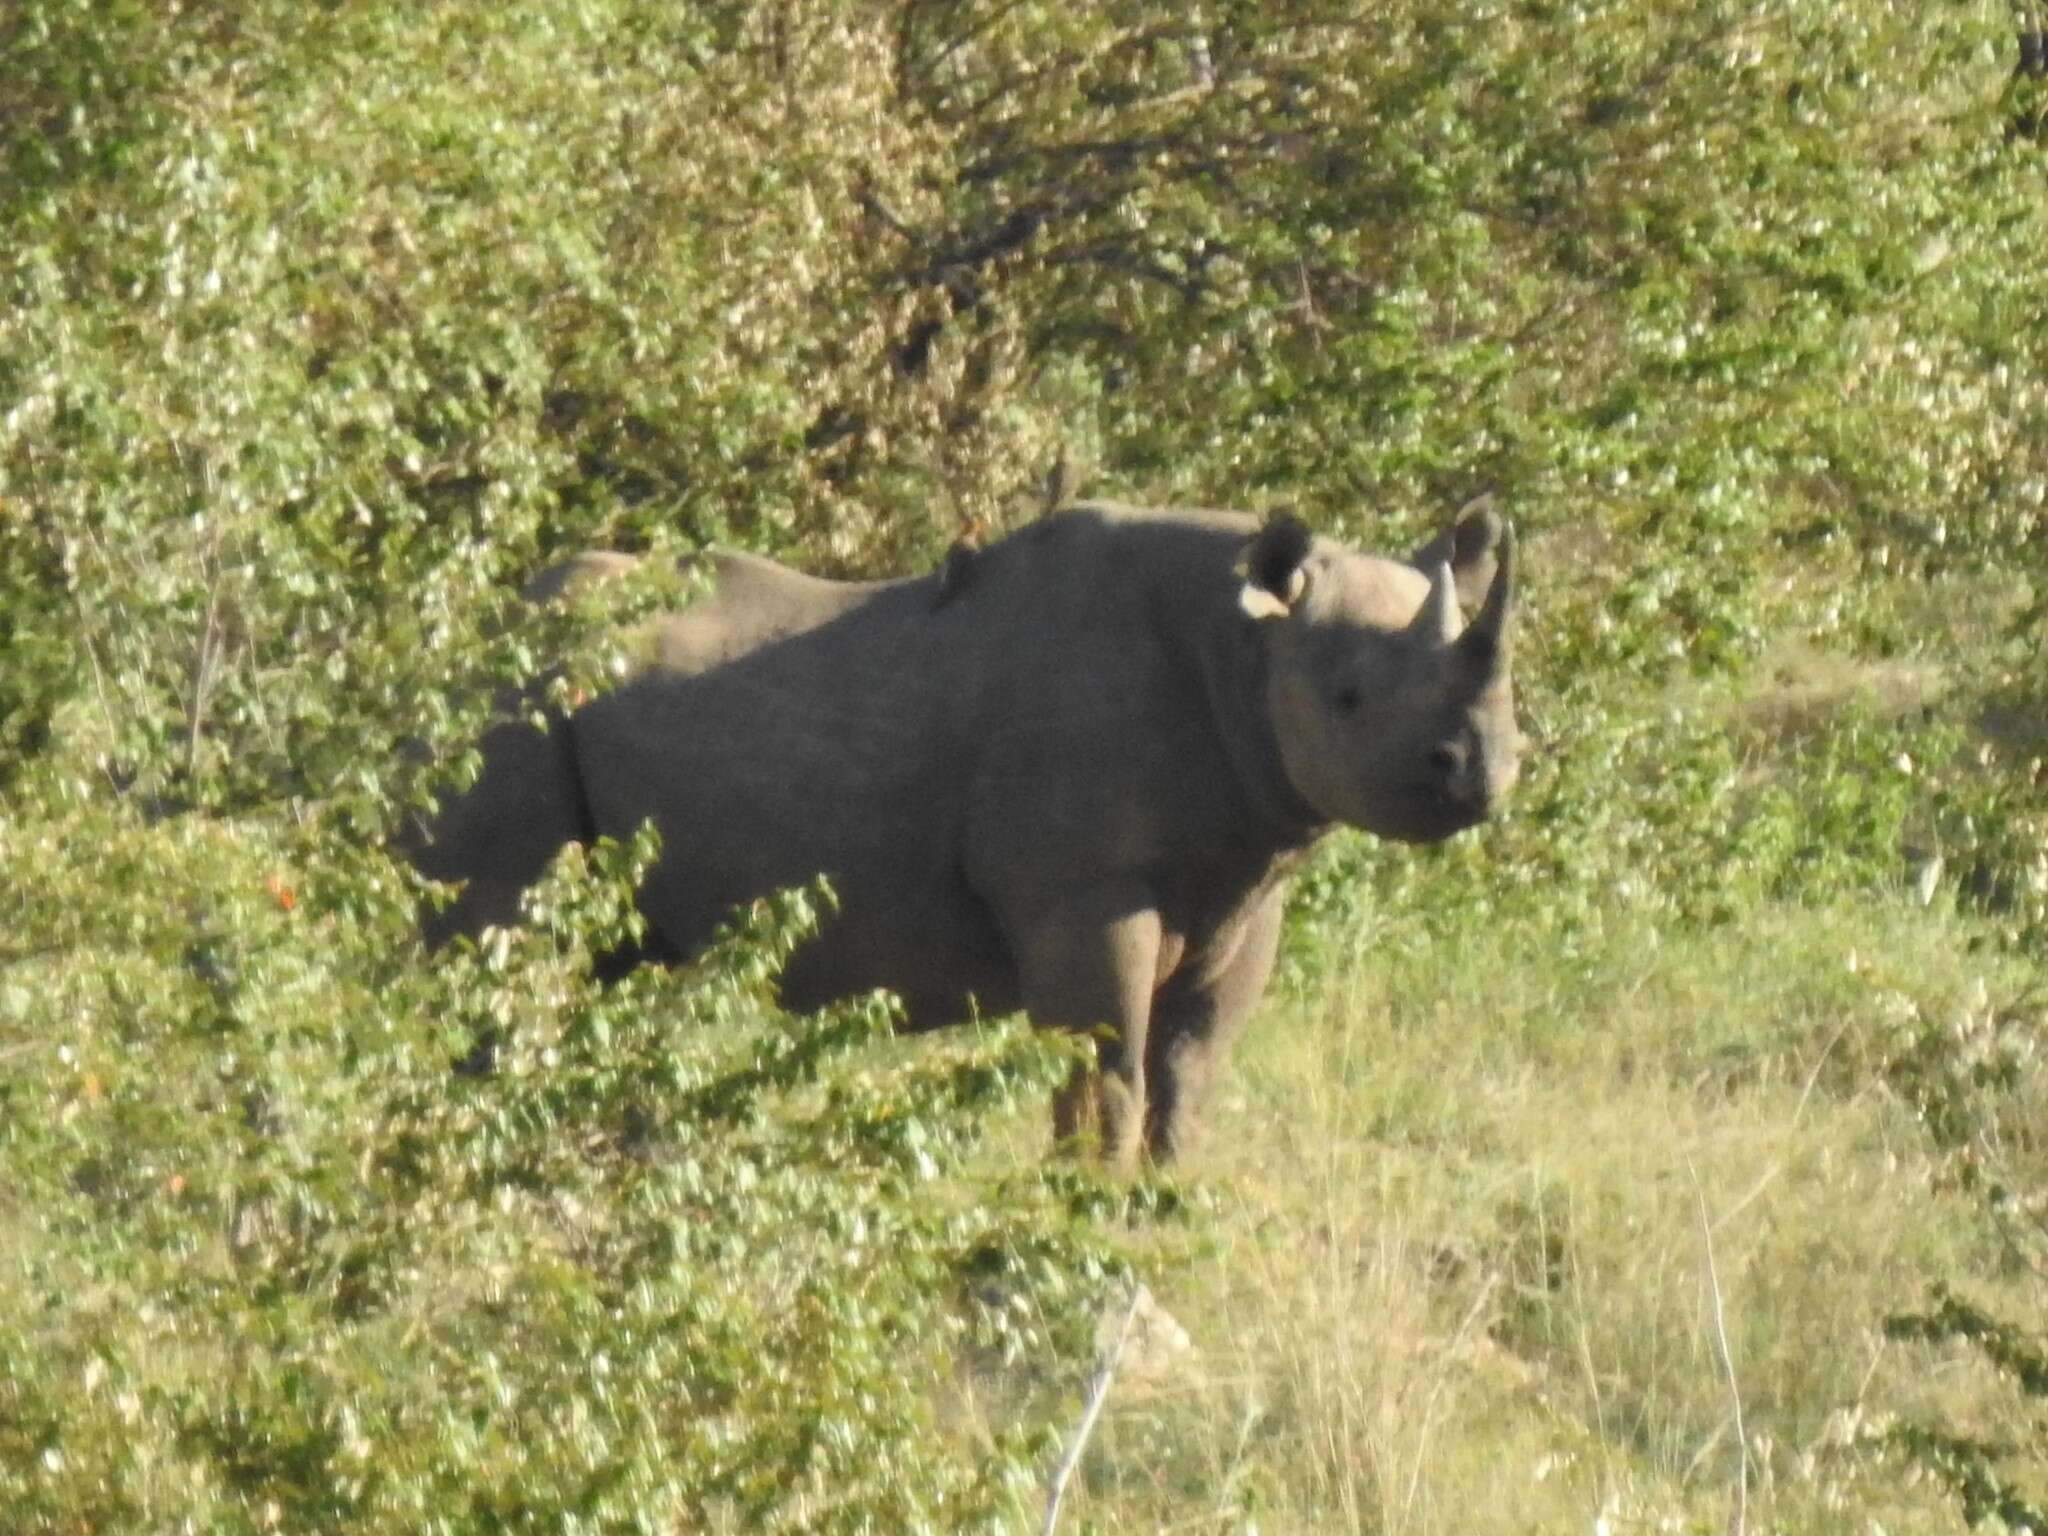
[
  {"x": 955, "y": 571},
  {"x": 563, "y": 731}
]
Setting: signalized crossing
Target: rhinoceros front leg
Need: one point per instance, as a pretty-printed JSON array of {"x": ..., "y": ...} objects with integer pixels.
[
  {"x": 1194, "y": 1019},
  {"x": 1089, "y": 964}
]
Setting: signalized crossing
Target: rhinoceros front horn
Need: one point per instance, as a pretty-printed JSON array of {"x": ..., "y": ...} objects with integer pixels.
[
  {"x": 1436, "y": 621},
  {"x": 1487, "y": 638}
]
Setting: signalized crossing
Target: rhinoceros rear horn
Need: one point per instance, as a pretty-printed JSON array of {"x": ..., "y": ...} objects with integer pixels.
[
  {"x": 1487, "y": 639},
  {"x": 1274, "y": 566},
  {"x": 1469, "y": 546}
]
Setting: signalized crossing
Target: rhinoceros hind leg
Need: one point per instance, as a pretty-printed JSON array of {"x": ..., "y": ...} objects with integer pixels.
[
  {"x": 1089, "y": 965},
  {"x": 497, "y": 837}
]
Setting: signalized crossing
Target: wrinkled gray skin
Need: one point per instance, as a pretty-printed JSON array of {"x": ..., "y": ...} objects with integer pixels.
[{"x": 1067, "y": 773}]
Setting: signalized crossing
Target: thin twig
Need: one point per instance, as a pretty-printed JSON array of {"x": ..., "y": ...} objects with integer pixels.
[
  {"x": 1738, "y": 1521},
  {"x": 1820, "y": 1061},
  {"x": 99, "y": 688},
  {"x": 1770, "y": 1177},
  {"x": 1440, "y": 1380},
  {"x": 205, "y": 672},
  {"x": 1098, "y": 1393}
]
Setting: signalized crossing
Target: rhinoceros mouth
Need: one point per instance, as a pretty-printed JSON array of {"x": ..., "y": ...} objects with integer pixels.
[{"x": 1429, "y": 815}]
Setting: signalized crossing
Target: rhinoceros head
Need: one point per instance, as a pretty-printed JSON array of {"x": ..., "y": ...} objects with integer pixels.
[{"x": 1391, "y": 713}]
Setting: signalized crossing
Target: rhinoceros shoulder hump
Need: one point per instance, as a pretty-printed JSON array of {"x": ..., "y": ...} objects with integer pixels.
[{"x": 753, "y": 602}]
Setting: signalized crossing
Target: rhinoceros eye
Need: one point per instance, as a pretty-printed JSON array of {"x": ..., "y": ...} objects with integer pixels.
[{"x": 1347, "y": 699}]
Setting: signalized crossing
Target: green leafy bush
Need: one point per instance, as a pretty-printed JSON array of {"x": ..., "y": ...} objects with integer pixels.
[
  {"x": 678, "y": 1261},
  {"x": 1975, "y": 1076},
  {"x": 323, "y": 329}
]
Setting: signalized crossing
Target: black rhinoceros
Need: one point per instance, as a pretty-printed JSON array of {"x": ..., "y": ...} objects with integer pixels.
[{"x": 1068, "y": 772}]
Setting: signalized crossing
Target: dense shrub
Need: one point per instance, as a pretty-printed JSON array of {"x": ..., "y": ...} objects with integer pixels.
[{"x": 322, "y": 328}]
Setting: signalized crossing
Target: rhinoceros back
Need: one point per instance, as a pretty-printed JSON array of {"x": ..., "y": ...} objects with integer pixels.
[{"x": 785, "y": 726}]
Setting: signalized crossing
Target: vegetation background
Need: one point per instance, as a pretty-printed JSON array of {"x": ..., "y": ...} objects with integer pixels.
[{"x": 1669, "y": 1156}]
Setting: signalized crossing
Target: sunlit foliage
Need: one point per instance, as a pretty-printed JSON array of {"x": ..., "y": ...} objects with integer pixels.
[{"x": 323, "y": 327}]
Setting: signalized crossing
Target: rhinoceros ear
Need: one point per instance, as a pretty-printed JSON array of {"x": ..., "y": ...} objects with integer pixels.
[
  {"x": 1470, "y": 546},
  {"x": 1275, "y": 567}
]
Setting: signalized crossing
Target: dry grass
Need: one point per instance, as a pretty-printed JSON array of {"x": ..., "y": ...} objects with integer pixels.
[
  {"x": 1457, "y": 1281},
  {"x": 1798, "y": 687}
]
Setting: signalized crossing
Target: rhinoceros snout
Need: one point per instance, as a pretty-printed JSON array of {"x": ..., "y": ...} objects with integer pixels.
[
  {"x": 1447, "y": 760},
  {"x": 1459, "y": 777},
  {"x": 1467, "y": 779}
]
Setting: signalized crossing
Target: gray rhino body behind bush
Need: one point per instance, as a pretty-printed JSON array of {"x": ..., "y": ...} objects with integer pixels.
[{"x": 1068, "y": 773}]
